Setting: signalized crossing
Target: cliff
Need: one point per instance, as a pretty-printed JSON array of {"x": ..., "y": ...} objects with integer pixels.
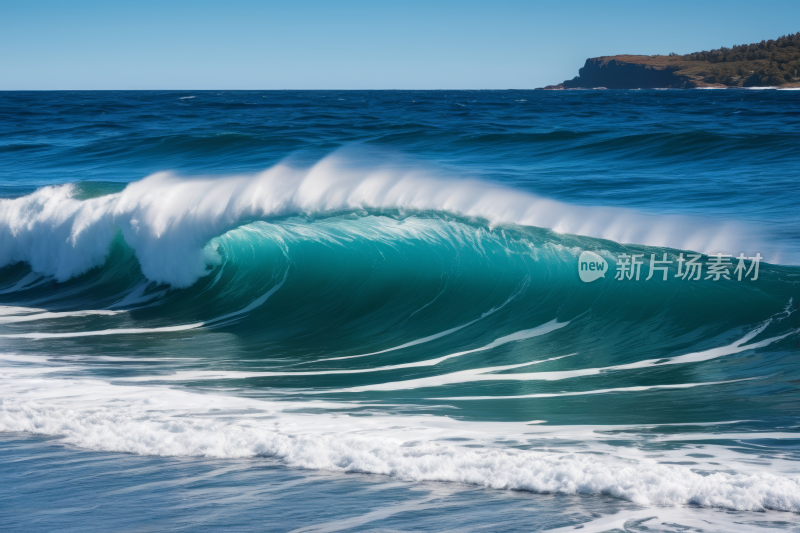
[
  {"x": 628, "y": 72},
  {"x": 765, "y": 64}
]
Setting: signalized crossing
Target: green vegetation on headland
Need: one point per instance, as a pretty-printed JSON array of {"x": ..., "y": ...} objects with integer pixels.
[{"x": 773, "y": 63}]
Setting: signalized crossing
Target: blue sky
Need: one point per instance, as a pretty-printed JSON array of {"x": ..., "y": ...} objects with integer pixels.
[{"x": 351, "y": 44}]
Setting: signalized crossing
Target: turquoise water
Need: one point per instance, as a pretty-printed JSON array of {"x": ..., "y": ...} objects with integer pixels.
[{"x": 363, "y": 311}]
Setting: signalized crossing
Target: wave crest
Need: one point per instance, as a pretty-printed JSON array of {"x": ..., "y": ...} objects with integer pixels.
[{"x": 169, "y": 220}]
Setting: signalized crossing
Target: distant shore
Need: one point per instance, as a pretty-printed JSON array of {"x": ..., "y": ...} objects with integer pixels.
[{"x": 773, "y": 63}]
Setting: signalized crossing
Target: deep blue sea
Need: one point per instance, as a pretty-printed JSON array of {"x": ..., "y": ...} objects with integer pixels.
[{"x": 501, "y": 311}]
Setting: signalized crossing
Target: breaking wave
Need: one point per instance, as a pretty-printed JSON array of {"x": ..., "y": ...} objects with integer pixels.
[
  {"x": 374, "y": 320},
  {"x": 169, "y": 220}
]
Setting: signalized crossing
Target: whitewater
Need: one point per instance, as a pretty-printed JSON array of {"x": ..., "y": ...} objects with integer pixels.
[
  {"x": 168, "y": 220},
  {"x": 382, "y": 325}
]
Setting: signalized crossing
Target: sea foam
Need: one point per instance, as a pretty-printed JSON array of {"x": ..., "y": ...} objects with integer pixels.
[{"x": 161, "y": 421}]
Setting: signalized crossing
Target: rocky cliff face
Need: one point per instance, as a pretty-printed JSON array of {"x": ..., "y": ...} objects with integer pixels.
[
  {"x": 773, "y": 63},
  {"x": 664, "y": 72},
  {"x": 627, "y": 73}
]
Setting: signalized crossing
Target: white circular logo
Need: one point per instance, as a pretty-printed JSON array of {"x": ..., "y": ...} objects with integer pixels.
[{"x": 591, "y": 266}]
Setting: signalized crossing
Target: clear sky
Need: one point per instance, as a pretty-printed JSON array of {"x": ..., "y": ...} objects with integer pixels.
[{"x": 354, "y": 44}]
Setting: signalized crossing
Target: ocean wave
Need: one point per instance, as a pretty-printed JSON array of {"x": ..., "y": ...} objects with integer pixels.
[
  {"x": 169, "y": 221},
  {"x": 304, "y": 329}
]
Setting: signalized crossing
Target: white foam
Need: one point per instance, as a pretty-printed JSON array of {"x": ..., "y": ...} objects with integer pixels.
[
  {"x": 224, "y": 319},
  {"x": 236, "y": 374},
  {"x": 120, "y": 331},
  {"x": 168, "y": 220},
  {"x": 639, "y": 388},
  {"x": 138, "y": 296},
  {"x": 6, "y": 310},
  {"x": 25, "y": 282},
  {"x": 162, "y": 421},
  {"x": 50, "y": 316},
  {"x": 683, "y": 519},
  {"x": 482, "y": 374}
]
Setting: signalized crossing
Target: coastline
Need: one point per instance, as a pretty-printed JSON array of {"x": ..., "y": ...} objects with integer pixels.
[{"x": 768, "y": 64}]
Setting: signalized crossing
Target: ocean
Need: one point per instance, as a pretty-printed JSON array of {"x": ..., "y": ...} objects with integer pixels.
[{"x": 396, "y": 311}]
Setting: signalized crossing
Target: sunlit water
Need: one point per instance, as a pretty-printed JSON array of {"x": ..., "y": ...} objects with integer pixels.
[{"x": 356, "y": 311}]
